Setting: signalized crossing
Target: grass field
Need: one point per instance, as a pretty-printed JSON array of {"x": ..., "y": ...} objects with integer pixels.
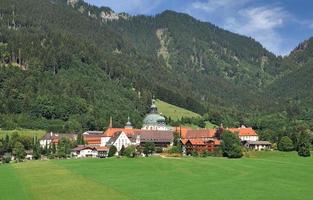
[
  {"x": 266, "y": 175},
  {"x": 38, "y": 133}
]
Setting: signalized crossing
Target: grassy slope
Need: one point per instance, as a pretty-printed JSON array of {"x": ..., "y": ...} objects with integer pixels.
[
  {"x": 26, "y": 132},
  {"x": 177, "y": 113},
  {"x": 174, "y": 112},
  {"x": 268, "y": 175}
]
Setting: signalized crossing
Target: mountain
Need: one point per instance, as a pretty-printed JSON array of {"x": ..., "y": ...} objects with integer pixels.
[
  {"x": 296, "y": 84},
  {"x": 67, "y": 65}
]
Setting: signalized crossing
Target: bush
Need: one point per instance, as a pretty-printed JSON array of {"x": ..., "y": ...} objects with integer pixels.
[
  {"x": 174, "y": 149},
  {"x": 6, "y": 158},
  {"x": 194, "y": 153},
  {"x": 218, "y": 152},
  {"x": 130, "y": 151},
  {"x": 205, "y": 154},
  {"x": 158, "y": 150},
  {"x": 112, "y": 151},
  {"x": 285, "y": 144}
]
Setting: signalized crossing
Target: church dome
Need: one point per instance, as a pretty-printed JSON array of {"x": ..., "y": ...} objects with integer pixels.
[{"x": 153, "y": 119}]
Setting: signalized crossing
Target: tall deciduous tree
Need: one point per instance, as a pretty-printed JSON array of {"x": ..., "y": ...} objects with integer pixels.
[
  {"x": 19, "y": 151},
  {"x": 231, "y": 145}
]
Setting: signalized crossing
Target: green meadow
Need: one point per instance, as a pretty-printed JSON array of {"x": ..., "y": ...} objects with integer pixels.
[
  {"x": 176, "y": 113},
  {"x": 265, "y": 175},
  {"x": 22, "y": 132}
]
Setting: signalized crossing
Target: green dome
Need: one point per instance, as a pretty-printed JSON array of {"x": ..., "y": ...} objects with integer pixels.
[{"x": 154, "y": 118}]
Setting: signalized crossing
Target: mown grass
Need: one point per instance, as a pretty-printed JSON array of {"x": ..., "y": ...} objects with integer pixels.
[
  {"x": 265, "y": 175},
  {"x": 22, "y": 132}
]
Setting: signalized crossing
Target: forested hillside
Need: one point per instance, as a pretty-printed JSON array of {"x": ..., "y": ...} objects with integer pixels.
[{"x": 68, "y": 66}]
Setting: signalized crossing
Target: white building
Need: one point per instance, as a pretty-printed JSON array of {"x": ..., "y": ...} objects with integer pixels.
[
  {"x": 84, "y": 152},
  {"x": 119, "y": 140},
  {"x": 258, "y": 145},
  {"x": 245, "y": 134}
]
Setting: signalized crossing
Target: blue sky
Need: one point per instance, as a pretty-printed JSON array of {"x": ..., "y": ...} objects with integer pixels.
[{"x": 279, "y": 25}]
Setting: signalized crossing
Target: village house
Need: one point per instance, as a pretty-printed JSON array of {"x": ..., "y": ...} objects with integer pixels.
[
  {"x": 162, "y": 139},
  {"x": 53, "y": 138},
  {"x": 93, "y": 133},
  {"x": 198, "y": 145},
  {"x": 209, "y": 139},
  {"x": 83, "y": 151},
  {"x": 119, "y": 140},
  {"x": 86, "y": 151},
  {"x": 258, "y": 145},
  {"x": 245, "y": 134}
]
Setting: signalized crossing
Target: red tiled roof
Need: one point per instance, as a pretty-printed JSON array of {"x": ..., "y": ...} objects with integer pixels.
[
  {"x": 243, "y": 131},
  {"x": 99, "y": 148},
  {"x": 182, "y": 131},
  {"x": 93, "y": 139},
  {"x": 201, "y": 133},
  {"x": 110, "y": 132},
  {"x": 184, "y": 141},
  {"x": 217, "y": 142},
  {"x": 155, "y": 136},
  {"x": 196, "y": 142}
]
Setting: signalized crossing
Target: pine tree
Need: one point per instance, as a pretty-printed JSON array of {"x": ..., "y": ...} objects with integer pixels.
[
  {"x": 285, "y": 144},
  {"x": 122, "y": 151},
  {"x": 304, "y": 145},
  {"x": 112, "y": 151}
]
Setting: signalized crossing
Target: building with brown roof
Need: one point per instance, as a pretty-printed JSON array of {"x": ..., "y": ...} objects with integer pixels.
[{"x": 54, "y": 138}]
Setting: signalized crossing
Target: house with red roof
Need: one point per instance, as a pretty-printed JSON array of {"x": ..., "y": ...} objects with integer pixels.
[{"x": 245, "y": 133}]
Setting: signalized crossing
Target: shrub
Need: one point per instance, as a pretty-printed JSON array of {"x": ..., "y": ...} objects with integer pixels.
[
  {"x": 158, "y": 150},
  {"x": 194, "y": 153},
  {"x": 174, "y": 149},
  {"x": 205, "y": 154},
  {"x": 6, "y": 158},
  {"x": 304, "y": 145},
  {"x": 130, "y": 151},
  {"x": 218, "y": 152},
  {"x": 285, "y": 144},
  {"x": 112, "y": 151}
]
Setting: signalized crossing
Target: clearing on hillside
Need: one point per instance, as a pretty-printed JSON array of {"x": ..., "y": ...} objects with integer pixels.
[
  {"x": 22, "y": 132},
  {"x": 174, "y": 112}
]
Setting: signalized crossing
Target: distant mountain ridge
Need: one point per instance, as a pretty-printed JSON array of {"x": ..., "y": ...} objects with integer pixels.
[{"x": 75, "y": 49}]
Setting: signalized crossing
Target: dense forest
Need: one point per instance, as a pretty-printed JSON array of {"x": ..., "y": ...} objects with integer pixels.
[{"x": 68, "y": 66}]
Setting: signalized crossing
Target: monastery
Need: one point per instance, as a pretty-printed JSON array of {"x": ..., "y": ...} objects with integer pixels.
[{"x": 155, "y": 130}]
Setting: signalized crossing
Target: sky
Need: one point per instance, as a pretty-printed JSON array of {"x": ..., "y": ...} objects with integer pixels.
[{"x": 279, "y": 25}]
